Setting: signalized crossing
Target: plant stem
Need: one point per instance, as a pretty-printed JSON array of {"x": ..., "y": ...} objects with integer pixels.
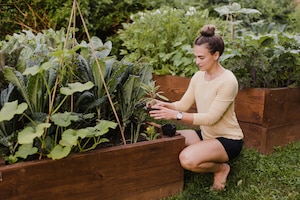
[{"x": 60, "y": 105}]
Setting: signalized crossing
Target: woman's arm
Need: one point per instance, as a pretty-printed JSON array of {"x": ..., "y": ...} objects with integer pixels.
[
  {"x": 162, "y": 112},
  {"x": 169, "y": 111},
  {"x": 224, "y": 98}
]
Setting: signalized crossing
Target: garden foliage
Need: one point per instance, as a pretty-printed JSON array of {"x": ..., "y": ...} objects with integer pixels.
[
  {"x": 261, "y": 55},
  {"x": 103, "y": 18},
  {"x": 265, "y": 60},
  {"x": 164, "y": 38},
  {"x": 56, "y": 99},
  {"x": 53, "y": 101}
]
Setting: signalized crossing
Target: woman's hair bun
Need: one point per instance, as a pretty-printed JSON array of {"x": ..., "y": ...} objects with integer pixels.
[{"x": 208, "y": 30}]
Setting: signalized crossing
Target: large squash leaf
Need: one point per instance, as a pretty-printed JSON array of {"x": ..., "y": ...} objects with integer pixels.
[
  {"x": 103, "y": 127},
  {"x": 76, "y": 87},
  {"x": 28, "y": 134},
  {"x": 59, "y": 152},
  {"x": 10, "y": 109},
  {"x": 26, "y": 150},
  {"x": 64, "y": 119}
]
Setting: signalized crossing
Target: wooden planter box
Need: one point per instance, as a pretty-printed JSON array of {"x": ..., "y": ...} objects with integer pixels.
[
  {"x": 145, "y": 170},
  {"x": 268, "y": 117}
]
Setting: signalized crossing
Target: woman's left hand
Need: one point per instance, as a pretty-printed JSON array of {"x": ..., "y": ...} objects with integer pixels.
[{"x": 161, "y": 112}]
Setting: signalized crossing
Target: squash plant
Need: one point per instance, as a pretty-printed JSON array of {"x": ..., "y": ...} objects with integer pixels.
[{"x": 56, "y": 100}]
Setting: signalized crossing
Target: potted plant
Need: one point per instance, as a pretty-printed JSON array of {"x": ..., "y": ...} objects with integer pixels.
[{"x": 62, "y": 97}]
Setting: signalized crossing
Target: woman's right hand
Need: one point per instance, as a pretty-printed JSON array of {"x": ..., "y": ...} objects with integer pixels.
[
  {"x": 159, "y": 103},
  {"x": 153, "y": 102}
]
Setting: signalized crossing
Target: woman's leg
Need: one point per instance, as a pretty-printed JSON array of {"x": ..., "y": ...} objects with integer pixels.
[
  {"x": 191, "y": 136},
  {"x": 205, "y": 156}
]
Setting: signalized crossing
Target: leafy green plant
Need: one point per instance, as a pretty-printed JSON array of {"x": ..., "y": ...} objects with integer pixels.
[
  {"x": 150, "y": 133},
  {"x": 269, "y": 60},
  {"x": 62, "y": 91},
  {"x": 271, "y": 11},
  {"x": 103, "y": 18},
  {"x": 164, "y": 38},
  {"x": 130, "y": 98},
  {"x": 152, "y": 92},
  {"x": 7, "y": 114},
  {"x": 231, "y": 11},
  {"x": 262, "y": 27},
  {"x": 260, "y": 55},
  {"x": 294, "y": 19}
]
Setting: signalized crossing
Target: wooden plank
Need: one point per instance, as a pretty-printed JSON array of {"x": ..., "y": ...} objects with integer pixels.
[
  {"x": 268, "y": 107},
  {"x": 281, "y": 136},
  {"x": 131, "y": 171},
  {"x": 249, "y": 105},
  {"x": 173, "y": 87},
  {"x": 254, "y": 136},
  {"x": 282, "y": 107},
  {"x": 265, "y": 139},
  {"x": 293, "y": 113}
]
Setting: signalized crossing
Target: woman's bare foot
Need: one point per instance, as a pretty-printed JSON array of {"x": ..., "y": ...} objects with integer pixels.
[{"x": 220, "y": 177}]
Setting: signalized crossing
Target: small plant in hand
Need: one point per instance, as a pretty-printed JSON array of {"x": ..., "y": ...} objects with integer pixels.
[
  {"x": 151, "y": 93},
  {"x": 150, "y": 133}
]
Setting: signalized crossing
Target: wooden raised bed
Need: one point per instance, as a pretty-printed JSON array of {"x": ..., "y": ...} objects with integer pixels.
[
  {"x": 268, "y": 117},
  {"x": 145, "y": 170}
]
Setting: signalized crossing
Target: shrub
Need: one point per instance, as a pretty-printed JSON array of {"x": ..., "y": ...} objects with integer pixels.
[
  {"x": 267, "y": 60},
  {"x": 164, "y": 38},
  {"x": 103, "y": 18}
]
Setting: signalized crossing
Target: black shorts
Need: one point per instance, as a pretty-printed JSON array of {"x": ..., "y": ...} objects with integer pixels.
[{"x": 232, "y": 147}]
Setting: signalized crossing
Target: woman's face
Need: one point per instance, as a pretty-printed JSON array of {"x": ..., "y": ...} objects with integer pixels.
[{"x": 203, "y": 58}]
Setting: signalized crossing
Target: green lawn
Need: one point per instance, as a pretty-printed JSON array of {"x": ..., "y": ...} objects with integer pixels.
[{"x": 253, "y": 176}]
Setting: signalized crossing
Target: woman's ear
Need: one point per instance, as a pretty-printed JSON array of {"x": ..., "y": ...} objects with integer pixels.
[{"x": 216, "y": 55}]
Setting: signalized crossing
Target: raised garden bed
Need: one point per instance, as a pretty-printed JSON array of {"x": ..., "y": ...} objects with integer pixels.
[
  {"x": 268, "y": 117},
  {"x": 144, "y": 170}
]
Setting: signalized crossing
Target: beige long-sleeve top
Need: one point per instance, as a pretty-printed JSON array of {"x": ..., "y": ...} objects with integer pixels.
[{"x": 215, "y": 105}]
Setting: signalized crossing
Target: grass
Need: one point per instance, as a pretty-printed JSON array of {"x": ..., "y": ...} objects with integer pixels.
[{"x": 253, "y": 176}]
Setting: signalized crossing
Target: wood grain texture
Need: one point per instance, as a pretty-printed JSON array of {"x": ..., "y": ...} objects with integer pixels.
[
  {"x": 269, "y": 107},
  {"x": 266, "y": 139},
  {"x": 173, "y": 87},
  {"x": 145, "y": 170}
]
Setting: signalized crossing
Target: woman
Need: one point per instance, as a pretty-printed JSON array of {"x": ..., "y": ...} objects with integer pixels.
[{"x": 213, "y": 90}]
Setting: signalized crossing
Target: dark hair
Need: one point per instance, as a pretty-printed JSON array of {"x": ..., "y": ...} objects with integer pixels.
[{"x": 214, "y": 41}]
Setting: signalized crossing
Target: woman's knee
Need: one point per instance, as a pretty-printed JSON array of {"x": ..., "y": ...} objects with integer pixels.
[{"x": 186, "y": 160}]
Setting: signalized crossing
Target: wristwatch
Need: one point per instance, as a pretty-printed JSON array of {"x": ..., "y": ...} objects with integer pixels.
[{"x": 179, "y": 115}]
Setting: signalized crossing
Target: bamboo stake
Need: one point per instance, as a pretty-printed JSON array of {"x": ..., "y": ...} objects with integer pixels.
[
  {"x": 56, "y": 81},
  {"x": 101, "y": 74}
]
